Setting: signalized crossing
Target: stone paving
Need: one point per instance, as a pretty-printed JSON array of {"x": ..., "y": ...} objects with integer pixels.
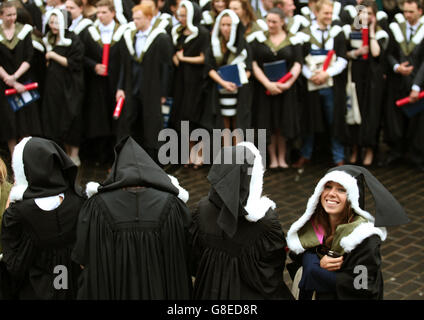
[{"x": 402, "y": 252}]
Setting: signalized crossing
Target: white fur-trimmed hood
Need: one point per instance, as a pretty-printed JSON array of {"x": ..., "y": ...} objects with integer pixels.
[
  {"x": 360, "y": 233},
  {"x": 21, "y": 182}
]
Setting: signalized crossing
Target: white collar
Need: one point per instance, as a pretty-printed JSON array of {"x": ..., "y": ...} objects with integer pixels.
[
  {"x": 315, "y": 26},
  {"x": 75, "y": 23},
  {"x": 414, "y": 26},
  {"x": 109, "y": 28},
  {"x": 144, "y": 33}
]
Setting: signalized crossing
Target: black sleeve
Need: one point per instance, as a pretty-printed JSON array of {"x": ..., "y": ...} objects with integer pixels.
[
  {"x": 419, "y": 77},
  {"x": 360, "y": 276},
  {"x": 165, "y": 51},
  {"x": 391, "y": 52},
  {"x": 29, "y": 49},
  {"x": 75, "y": 55},
  {"x": 340, "y": 45}
]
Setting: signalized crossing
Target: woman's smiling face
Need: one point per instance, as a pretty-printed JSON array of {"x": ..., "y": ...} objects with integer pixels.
[{"x": 333, "y": 198}]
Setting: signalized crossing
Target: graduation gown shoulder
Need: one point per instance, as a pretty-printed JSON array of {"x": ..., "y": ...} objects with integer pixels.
[
  {"x": 248, "y": 266},
  {"x": 133, "y": 245},
  {"x": 35, "y": 242}
]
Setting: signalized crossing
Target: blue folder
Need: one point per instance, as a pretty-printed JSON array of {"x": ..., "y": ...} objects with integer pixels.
[
  {"x": 17, "y": 102},
  {"x": 356, "y": 35},
  {"x": 319, "y": 52},
  {"x": 274, "y": 71},
  {"x": 229, "y": 73},
  {"x": 411, "y": 109}
]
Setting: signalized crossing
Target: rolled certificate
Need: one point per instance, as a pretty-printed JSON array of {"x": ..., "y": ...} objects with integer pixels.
[
  {"x": 365, "y": 40},
  {"x": 283, "y": 79},
  {"x": 118, "y": 108},
  {"x": 29, "y": 86},
  {"x": 328, "y": 60},
  {"x": 404, "y": 101},
  {"x": 105, "y": 57}
]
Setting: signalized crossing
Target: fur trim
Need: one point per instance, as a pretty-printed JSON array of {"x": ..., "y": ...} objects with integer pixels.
[
  {"x": 351, "y": 10},
  {"x": 129, "y": 41},
  {"x": 399, "y": 18},
  {"x": 381, "y": 34},
  {"x": 306, "y": 11},
  {"x": 206, "y": 18},
  {"x": 119, "y": 32},
  {"x": 119, "y": 12},
  {"x": 37, "y": 45},
  {"x": 21, "y": 182},
  {"x": 397, "y": 33},
  {"x": 182, "y": 193},
  {"x": 203, "y": 3},
  {"x": 95, "y": 35},
  {"x": 349, "y": 183},
  {"x": 335, "y": 30},
  {"x": 303, "y": 36},
  {"x": 359, "y": 234},
  {"x": 298, "y": 22},
  {"x": 258, "y": 35},
  {"x": 297, "y": 39},
  {"x": 91, "y": 189},
  {"x": 256, "y": 205},
  {"x": 418, "y": 37},
  {"x": 347, "y": 29},
  {"x": 381, "y": 15},
  {"x": 216, "y": 46},
  {"x": 84, "y": 23},
  {"x": 262, "y": 24},
  {"x": 39, "y": 3},
  {"x": 337, "y": 6},
  {"x": 25, "y": 30},
  {"x": 194, "y": 30}
]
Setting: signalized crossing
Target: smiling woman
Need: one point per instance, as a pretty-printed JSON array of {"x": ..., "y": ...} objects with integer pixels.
[{"x": 336, "y": 236}]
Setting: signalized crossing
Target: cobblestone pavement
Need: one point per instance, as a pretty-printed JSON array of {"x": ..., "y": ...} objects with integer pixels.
[{"x": 402, "y": 252}]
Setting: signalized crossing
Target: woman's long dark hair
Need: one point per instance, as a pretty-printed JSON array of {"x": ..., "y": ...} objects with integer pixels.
[{"x": 320, "y": 217}]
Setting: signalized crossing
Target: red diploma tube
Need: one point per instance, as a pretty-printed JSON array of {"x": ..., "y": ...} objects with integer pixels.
[
  {"x": 105, "y": 57},
  {"x": 365, "y": 40},
  {"x": 328, "y": 60},
  {"x": 118, "y": 108},
  {"x": 284, "y": 79},
  {"x": 29, "y": 86},
  {"x": 402, "y": 102}
]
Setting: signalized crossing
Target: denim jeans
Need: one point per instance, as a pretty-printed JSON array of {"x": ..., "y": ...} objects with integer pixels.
[{"x": 337, "y": 149}]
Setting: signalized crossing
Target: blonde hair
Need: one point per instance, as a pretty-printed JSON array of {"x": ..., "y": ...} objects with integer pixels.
[
  {"x": 321, "y": 3},
  {"x": 3, "y": 172}
]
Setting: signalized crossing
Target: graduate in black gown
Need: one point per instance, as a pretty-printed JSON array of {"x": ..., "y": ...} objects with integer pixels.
[
  {"x": 16, "y": 54},
  {"x": 132, "y": 238},
  {"x": 238, "y": 244},
  {"x": 191, "y": 42},
  {"x": 39, "y": 227},
  {"x": 278, "y": 111},
  {"x": 227, "y": 106},
  {"x": 99, "y": 103},
  {"x": 64, "y": 85},
  {"x": 337, "y": 242},
  {"x": 405, "y": 78},
  {"x": 210, "y": 14},
  {"x": 323, "y": 92},
  {"x": 145, "y": 80},
  {"x": 367, "y": 74}
]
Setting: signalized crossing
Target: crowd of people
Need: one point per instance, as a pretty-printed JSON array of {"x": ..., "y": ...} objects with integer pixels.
[
  {"x": 221, "y": 62},
  {"x": 218, "y": 64}
]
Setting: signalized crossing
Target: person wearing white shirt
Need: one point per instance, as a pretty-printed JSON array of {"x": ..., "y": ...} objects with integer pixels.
[{"x": 326, "y": 96}]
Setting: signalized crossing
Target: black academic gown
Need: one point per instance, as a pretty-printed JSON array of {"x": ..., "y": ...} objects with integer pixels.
[
  {"x": 248, "y": 266},
  {"x": 399, "y": 130},
  {"x": 64, "y": 87},
  {"x": 99, "y": 102},
  {"x": 211, "y": 117},
  {"x": 280, "y": 111},
  {"x": 145, "y": 80},
  {"x": 133, "y": 242},
  {"x": 188, "y": 79},
  {"x": 25, "y": 121},
  {"x": 312, "y": 116},
  {"x": 34, "y": 243},
  {"x": 367, "y": 74}
]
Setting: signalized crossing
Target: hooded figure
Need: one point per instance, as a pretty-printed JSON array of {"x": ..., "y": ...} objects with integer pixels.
[
  {"x": 357, "y": 239},
  {"x": 220, "y": 102},
  {"x": 193, "y": 40},
  {"x": 131, "y": 238},
  {"x": 238, "y": 243},
  {"x": 38, "y": 228}
]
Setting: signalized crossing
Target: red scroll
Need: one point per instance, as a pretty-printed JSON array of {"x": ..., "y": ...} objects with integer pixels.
[
  {"x": 365, "y": 40},
  {"x": 284, "y": 79},
  {"x": 105, "y": 57},
  {"x": 118, "y": 108},
  {"x": 29, "y": 86},
  {"x": 328, "y": 60},
  {"x": 404, "y": 101}
]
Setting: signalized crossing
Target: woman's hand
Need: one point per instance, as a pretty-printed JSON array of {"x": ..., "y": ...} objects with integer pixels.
[
  {"x": 283, "y": 86},
  {"x": 180, "y": 55},
  {"x": 331, "y": 264},
  {"x": 229, "y": 86},
  {"x": 50, "y": 55},
  {"x": 120, "y": 94},
  {"x": 10, "y": 80},
  {"x": 273, "y": 88},
  {"x": 362, "y": 50},
  {"x": 19, "y": 87}
]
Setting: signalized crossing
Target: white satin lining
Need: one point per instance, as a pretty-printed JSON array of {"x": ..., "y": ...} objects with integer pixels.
[{"x": 49, "y": 203}]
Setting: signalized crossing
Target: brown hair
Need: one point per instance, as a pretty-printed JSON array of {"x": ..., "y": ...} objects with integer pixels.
[
  {"x": 106, "y": 3},
  {"x": 227, "y": 2},
  {"x": 146, "y": 8},
  {"x": 320, "y": 217},
  {"x": 247, "y": 7},
  {"x": 370, "y": 3},
  {"x": 281, "y": 14},
  {"x": 7, "y": 4},
  {"x": 3, "y": 172}
]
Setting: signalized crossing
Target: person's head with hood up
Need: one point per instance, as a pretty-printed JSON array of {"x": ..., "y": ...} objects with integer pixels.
[
  {"x": 41, "y": 169},
  {"x": 133, "y": 167},
  {"x": 56, "y": 21},
  {"x": 189, "y": 15},
  {"x": 339, "y": 200},
  {"x": 236, "y": 179}
]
